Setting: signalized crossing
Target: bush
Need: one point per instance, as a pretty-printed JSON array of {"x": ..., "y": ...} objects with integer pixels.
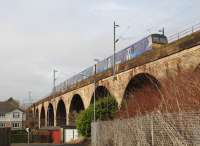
[{"x": 105, "y": 110}]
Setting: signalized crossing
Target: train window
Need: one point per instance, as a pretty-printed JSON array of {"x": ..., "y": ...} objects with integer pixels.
[
  {"x": 163, "y": 40},
  {"x": 156, "y": 40}
]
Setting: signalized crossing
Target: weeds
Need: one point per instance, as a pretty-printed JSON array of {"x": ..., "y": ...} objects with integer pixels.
[{"x": 156, "y": 115}]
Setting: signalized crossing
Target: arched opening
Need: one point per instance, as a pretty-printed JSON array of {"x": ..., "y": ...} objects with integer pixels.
[
  {"x": 61, "y": 114},
  {"x": 42, "y": 117},
  {"x": 36, "y": 119},
  {"x": 50, "y": 115},
  {"x": 100, "y": 92},
  {"x": 141, "y": 95},
  {"x": 76, "y": 107}
]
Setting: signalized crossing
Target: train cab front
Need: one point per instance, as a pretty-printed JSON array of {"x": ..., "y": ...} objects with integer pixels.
[{"x": 158, "y": 40}]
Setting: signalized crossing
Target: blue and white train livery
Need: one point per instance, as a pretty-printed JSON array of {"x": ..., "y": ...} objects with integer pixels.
[{"x": 122, "y": 56}]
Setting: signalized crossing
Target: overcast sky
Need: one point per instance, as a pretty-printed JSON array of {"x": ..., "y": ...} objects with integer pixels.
[{"x": 37, "y": 36}]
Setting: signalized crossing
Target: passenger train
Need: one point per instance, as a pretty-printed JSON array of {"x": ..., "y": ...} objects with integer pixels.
[{"x": 133, "y": 51}]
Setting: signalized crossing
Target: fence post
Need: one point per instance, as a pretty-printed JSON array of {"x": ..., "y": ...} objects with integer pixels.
[{"x": 152, "y": 131}]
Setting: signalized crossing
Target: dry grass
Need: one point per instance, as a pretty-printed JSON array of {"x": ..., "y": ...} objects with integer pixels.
[
  {"x": 180, "y": 94},
  {"x": 156, "y": 115}
]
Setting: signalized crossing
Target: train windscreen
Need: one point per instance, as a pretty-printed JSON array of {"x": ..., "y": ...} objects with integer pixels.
[{"x": 159, "y": 39}]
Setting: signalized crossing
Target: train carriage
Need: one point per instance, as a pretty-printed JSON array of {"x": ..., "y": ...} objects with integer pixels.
[{"x": 146, "y": 44}]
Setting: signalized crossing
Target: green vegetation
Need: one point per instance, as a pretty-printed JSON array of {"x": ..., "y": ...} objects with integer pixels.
[
  {"x": 105, "y": 110},
  {"x": 18, "y": 136}
]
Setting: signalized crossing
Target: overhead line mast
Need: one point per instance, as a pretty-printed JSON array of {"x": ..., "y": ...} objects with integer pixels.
[{"x": 114, "y": 48}]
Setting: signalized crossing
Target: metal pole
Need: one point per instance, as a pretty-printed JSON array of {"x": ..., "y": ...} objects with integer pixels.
[
  {"x": 28, "y": 137},
  {"x": 54, "y": 88},
  {"x": 152, "y": 131},
  {"x": 94, "y": 92},
  {"x": 30, "y": 102},
  {"x": 114, "y": 48},
  {"x": 94, "y": 96},
  {"x": 54, "y": 80}
]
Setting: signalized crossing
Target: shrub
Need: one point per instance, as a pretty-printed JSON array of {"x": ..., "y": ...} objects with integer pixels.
[{"x": 105, "y": 110}]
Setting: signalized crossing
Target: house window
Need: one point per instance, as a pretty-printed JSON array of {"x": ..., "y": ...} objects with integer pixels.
[
  {"x": 2, "y": 115},
  {"x": 16, "y": 115},
  {"x": 15, "y": 125},
  {"x": 2, "y": 124}
]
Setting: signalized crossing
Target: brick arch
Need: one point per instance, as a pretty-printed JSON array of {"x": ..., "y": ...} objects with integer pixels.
[
  {"x": 142, "y": 94},
  {"x": 140, "y": 79},
  {"x": 86, "y": 94},
  {"x": 37, "y": 118},
  {"x": 100, "y": 92},
  {"x": 61, "y": 114},
  {"x": 42, "y": 116},
  {"x": 76, "y": 106},
  {"x": 50, "y": 115}
]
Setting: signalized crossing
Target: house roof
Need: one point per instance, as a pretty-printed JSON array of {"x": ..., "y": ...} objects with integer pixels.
[{"x": 9, "y": 105}]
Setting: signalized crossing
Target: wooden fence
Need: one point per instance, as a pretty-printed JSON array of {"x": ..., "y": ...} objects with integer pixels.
[{"x": 5, "y": 136}]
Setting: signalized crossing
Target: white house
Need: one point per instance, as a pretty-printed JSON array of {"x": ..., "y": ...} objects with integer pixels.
[{"x": 11, "y": 115}]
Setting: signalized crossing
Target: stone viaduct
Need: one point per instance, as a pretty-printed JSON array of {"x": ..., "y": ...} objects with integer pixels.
[{"x": 157, "y": 64}]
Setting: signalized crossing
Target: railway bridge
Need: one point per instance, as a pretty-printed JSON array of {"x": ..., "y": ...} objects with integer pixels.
[{"x": 60, "y": 108}]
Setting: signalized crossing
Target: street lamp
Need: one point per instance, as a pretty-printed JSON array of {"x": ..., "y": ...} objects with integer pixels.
[{"x": 94, "y": 102}]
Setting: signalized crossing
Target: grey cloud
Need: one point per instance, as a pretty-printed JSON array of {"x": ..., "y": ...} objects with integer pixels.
[{"x": 38, "y": 36}]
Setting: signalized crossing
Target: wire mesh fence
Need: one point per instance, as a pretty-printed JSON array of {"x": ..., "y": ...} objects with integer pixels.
[{"x": 174, "y": 129}]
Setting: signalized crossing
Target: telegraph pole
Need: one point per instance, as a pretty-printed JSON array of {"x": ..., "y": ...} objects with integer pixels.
[
  {"x": 114, "y": 47},
  {"x": 54, "y": 91},
  {"x": 30, "y": 116},
  {"x": 54, "y": 81},
  {"x": 95, "y": 71}
]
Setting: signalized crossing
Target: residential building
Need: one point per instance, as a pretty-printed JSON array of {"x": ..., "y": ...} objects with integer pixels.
[{"x": 11, "y": 115}]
